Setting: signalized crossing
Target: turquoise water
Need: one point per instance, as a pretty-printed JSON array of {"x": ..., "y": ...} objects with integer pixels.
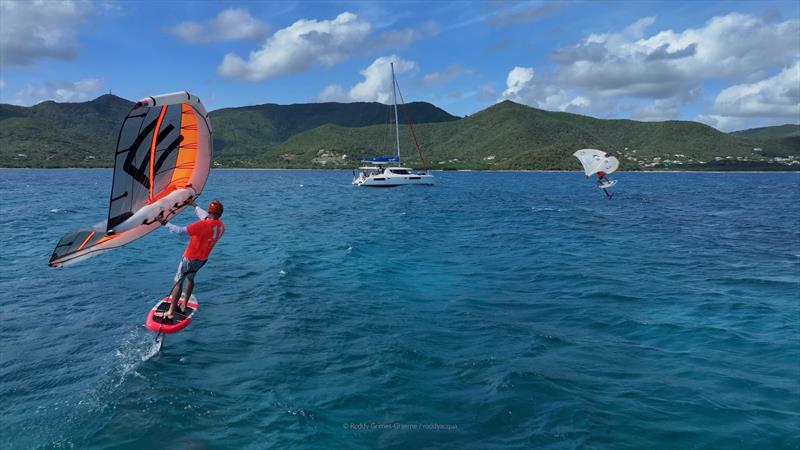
[{"x": 495, "y": 310}]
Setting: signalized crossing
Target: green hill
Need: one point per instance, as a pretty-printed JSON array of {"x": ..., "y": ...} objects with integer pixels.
[
  {"x": 84, "y": 134},
  {"x": 504, "y": 136},
  {"x": 241, "y": 133},
  {"x": 780, "y": 131},
  {"x": 772, "y": 142},
  {"x": 508, "y": 135},
  {"x": 54, "y": 134}
]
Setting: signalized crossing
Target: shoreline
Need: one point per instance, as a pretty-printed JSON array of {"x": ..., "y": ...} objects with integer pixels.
[{"x": 434, "y": 170}]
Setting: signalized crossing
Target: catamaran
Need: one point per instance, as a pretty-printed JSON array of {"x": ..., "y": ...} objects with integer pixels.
[{"x": 386, "y": 171}]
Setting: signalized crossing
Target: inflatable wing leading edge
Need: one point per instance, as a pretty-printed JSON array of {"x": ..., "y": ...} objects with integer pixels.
[
  {"x": 594, "y": 161},
  {"x": 162, "y": 161}
]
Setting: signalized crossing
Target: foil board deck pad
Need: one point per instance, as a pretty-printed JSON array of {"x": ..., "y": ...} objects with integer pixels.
[{"x": 179, "y": 321}]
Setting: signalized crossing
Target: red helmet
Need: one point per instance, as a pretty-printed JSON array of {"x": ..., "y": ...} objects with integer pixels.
[
  {"x": 215, "y": 207},
  {"x": 601, "y": 173}
]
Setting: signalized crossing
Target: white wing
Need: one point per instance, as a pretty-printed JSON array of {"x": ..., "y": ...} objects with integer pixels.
[
  {"x": 610, "y": 165},
  {"x": 594, "y": 161}
]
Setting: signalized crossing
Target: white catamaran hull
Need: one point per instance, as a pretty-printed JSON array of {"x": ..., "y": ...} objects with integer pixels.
[{"x": 392, "y": 180}]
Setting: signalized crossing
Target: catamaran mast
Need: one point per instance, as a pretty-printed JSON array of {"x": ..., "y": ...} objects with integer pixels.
[{"x": 396, "y": 122}]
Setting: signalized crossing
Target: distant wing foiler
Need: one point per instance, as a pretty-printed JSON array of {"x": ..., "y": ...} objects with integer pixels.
[
  {"x": 162, "y": 161},
  {"x": 594, "y": 161}
]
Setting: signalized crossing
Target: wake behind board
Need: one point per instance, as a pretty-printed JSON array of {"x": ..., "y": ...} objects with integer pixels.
[
  {"x": 607, "y": 185},
  {"x": 179, "y": 320}
]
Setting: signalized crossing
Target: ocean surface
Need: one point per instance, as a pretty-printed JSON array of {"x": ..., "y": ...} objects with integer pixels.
[{"x": 492, "y": 311}]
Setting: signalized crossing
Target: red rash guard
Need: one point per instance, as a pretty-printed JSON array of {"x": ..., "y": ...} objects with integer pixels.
[{"x": 204, "y": 234}]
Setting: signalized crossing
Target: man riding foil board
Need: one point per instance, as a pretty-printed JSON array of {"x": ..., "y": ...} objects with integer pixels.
[
  {"x": 203, "y": 235},
  {"x": 598, "y": 162}
]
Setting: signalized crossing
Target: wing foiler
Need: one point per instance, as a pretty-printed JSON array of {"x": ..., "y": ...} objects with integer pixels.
[
  {"x": 161, "y": 164},
  {"x": 594, "y": 161}
]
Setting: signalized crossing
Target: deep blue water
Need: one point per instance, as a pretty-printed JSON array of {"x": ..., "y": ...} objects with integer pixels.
[{"x": 495, "y": 310}]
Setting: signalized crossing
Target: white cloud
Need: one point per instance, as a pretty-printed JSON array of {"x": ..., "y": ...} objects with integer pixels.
[
  {"x": 230, "y": 24},
  {"x": 377, "y": 83},
  {"x": 518, "y": 80},
  {"x": 309, "y": 43},
  {"x": 448, "y": 75},
  {"x": 333, "y": 93},
  {"x": 636, "y": 29},
  {"x": 668, "y": 63},
  {"x": 304, "y": 44},
  {"x": 522, "y": 12},
  {"x": 31, "y": 30},
  {"x": 397, "y": 39},
  {"x": 522, "y": 87},
  {"x": 60, "y": 91},
  {"x": 649, "y": 74},
  {"x": 725, "y": 123},
  {"x": 778, "y": 96},
  {"x": 577, "y": 104},
  {"x": 657, "y": 110},
  {"x": 770, "y": 101}
]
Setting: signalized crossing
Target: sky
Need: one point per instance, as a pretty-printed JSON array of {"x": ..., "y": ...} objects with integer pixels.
[{"x": 730, "y": 64}]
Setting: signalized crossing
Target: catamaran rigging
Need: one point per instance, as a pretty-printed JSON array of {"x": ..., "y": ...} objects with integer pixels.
[{"x": 385, "y": 171}]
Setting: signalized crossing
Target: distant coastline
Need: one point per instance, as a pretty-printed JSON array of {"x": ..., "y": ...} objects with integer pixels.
[
  {"x": 786, "y": 169},
  {"x": 504, "y": 136}
]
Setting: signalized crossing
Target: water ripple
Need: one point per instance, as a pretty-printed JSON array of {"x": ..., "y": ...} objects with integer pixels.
[{"x": 495, "y": 310}]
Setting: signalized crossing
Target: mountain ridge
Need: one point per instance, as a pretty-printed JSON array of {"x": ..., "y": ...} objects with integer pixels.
[{"x": 506, "y": 135}]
